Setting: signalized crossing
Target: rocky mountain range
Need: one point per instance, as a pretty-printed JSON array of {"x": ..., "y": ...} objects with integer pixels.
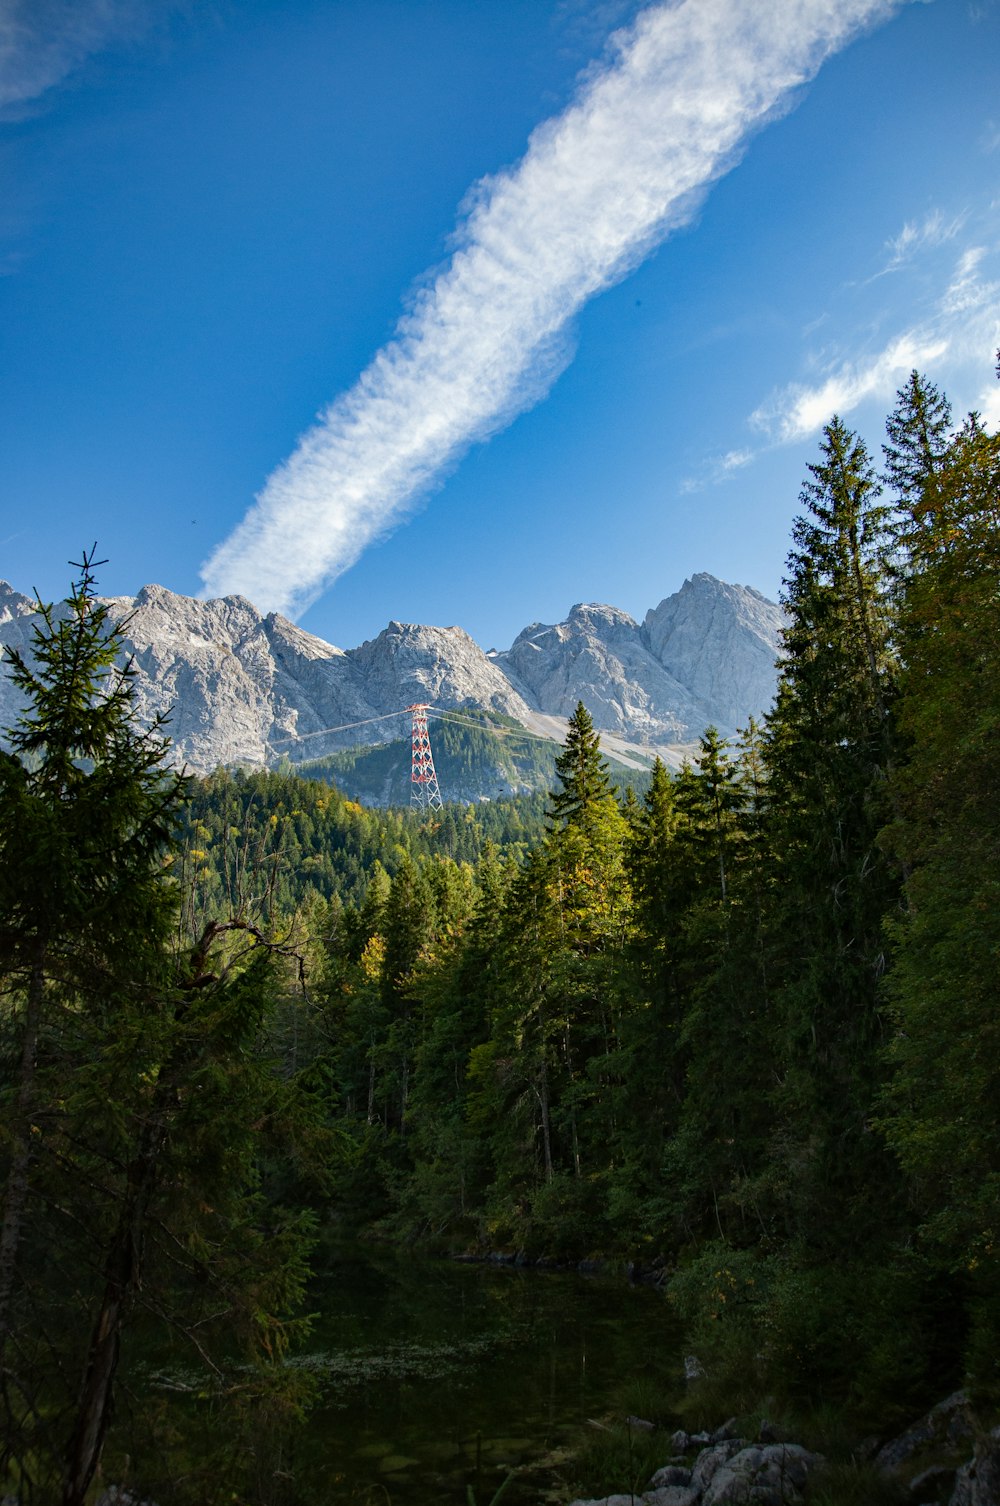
[{"x": 240, "y": 687}]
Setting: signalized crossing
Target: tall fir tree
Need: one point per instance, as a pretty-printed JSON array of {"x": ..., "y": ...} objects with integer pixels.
[
  {"x": 829, "y": 750},
  {"x": 133, "y": 1092},
  {"x": 584, "y": 781},
  {"x": 941, "y": 1106}
]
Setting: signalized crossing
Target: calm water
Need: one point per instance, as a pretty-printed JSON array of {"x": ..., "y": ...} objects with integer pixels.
[{"x": 437, "y": 1376}]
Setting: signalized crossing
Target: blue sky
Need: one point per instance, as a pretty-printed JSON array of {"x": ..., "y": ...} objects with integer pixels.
[{"x": 733, "y": 218}]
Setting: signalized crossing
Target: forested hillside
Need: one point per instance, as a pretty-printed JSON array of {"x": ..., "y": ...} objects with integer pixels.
[
  {"x": 477, "y": 756},
  {"x": 745, "y": 1025},
  {"x": 266, "y": 841},
  {"x": 742, "y": 1028}
]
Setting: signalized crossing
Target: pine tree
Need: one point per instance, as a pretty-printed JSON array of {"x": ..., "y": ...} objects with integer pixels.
[
  {"x": 134, "y": 1090},
  {"x": 829, "y": 750},
  {"x": 87, "y": 811},
  {"x": 942, "y": 1115},
  {"x": 918, "y": 433},
  {"x": 585, "y": 784}
]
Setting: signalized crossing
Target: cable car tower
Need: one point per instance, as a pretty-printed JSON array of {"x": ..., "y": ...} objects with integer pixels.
[{"x": 424, "y": 791}]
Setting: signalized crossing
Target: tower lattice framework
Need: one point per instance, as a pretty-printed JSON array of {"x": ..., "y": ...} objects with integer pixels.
[{"x": 424, "y": 791}]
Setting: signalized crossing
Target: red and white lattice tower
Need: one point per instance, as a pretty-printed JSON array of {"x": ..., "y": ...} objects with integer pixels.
[{"x": 424, "y": 792}]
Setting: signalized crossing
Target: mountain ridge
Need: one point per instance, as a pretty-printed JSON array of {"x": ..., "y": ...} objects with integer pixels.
[{"x": 243, "y": 687}]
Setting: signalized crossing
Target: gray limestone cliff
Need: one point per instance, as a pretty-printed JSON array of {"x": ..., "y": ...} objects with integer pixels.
[
  {"x": 240, "y": 687},
  {"x": 722, "y": 639},
  {"x": 705, "y": 656}
]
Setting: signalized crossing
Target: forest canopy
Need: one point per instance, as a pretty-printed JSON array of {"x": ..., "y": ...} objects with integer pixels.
[{"x": 740, "y": 1028}]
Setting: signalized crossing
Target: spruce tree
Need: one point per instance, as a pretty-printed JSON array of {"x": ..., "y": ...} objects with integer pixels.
[
  {"x": 942, "y": 1103},
  {"x": 87, "y": 810},
  {"x": 918, "y": 435},
  {"x": 585, "y": 784},
  {"x": 134, "y": 1094},
  {"x": 829, "y": 749}
]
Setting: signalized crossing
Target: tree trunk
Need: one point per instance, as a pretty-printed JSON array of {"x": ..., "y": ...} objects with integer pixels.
[
  {"x": 122, "y": 1275},
  {"x": 543, "y": 1104},
  {"x": 18, "y": 1183}
]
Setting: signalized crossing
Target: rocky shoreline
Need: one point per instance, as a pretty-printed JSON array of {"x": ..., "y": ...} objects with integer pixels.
[{"x": 947, "y": 1458}]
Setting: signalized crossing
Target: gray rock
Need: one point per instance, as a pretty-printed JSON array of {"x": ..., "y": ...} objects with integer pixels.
[
  {"x": 711, "y": 1460},
  {"x": 668, "y": 1495},
  {"x": 599, "y": 656},
  {"x": 670, "y": 1474},
  {"x": 727, "y": 1431},
  {"x": 947, "y": 1424},
  {"x": 241, "y": 687},
  {"x": 619, "y": 1500},
  {"x": 640, "y": 1425},
  {"x": 978, "y": 1482},
  {"x": 771, "y": 1476},
  {"x": 704, "y": 655},
  {"x": 721, "y": 641},
  {"x": 931, "y": 1482}
]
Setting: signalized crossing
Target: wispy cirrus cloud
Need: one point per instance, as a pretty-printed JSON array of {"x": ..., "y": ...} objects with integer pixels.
[
  {"x": 717, "y": 468},
  {"x": 933, "y": 230},
  {"x": 798, "y": 411},
  {"x": 990, "y": 139},
  {"x": 668, "y": 111},
  {"x": 962, "y": 331},
  {"x": 43, "y": 41}
]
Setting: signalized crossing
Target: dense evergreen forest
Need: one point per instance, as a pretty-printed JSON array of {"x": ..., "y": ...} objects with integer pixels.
[
  {"x": 480, "y": 754},
  {"x": 741, "y": 1028}
]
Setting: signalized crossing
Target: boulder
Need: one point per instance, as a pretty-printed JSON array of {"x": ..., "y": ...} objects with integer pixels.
[
  {"x": 771, "y": 1476},
  {"x": 711, "y": 1460},
  {"x": 947, "y": 1425},
  {"x": 931, "y": 1483},
  {"x": 978, "y": 1482},
  {"x": 670, "y": 1474},
  {"x": 619, "y": 1500}
]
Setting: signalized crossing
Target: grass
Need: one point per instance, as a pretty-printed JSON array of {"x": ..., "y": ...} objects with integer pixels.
[{"x": 617, "y": 1458}]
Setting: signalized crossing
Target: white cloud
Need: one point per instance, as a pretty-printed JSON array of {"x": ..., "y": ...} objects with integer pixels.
[
  {"x": 914, "y": 237},
  {"x": 799, "y": 411},
  {"x": 966, "y": 292},
  {"x": 963, "y": 331},
  {"x": 718, "y": 468},
  {"x": 43, "y": 41},
  {"x": 989, "y": 407},
  {"x": 598, "y": 188}
]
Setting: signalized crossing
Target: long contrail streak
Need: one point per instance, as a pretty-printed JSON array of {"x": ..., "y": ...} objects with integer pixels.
[{"x": 599, "y": 186}]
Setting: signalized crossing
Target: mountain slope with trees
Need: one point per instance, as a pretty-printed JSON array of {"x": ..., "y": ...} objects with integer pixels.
[
  {"x": 744, "y": 1023},
  {"x": 740, "y": 1027}
]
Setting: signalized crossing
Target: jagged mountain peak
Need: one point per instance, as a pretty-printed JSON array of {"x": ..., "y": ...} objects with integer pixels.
[
  {"x": 282, "y": 632},
  {"x": 725, "y": 638},
  {"x": 598, "y": 613},
  {"x": 14, "y": 603},
  {"x": 241, "y": 687}
]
